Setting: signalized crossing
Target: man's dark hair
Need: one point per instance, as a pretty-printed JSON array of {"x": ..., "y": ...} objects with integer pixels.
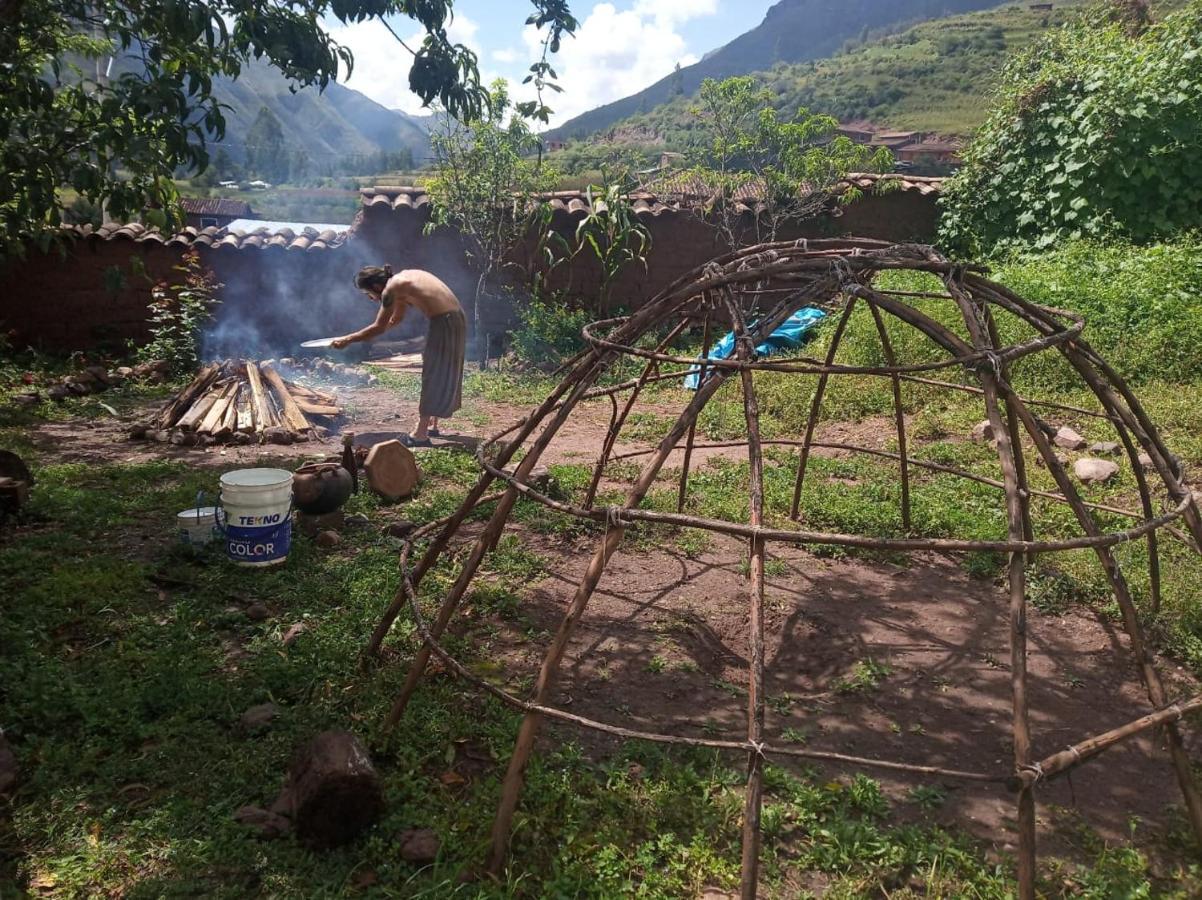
[{"x": 369, "y": 277}]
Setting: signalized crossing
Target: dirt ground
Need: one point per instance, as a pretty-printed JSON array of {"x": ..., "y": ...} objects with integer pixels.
[{"x": 663, "y": 646}]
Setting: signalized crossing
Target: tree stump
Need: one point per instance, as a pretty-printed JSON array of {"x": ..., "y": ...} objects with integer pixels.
[
  {"x": 391, "y": 470},
  {"x": 333, "y": 792}
]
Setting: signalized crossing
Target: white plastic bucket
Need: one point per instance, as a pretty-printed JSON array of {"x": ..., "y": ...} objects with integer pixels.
[
  {"x": 197, "y": 526},
  {"x": 257, "y": 511}
]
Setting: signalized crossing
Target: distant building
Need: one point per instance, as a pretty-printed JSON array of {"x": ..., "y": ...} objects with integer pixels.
[
  {"x": 894, "y": 139},
  {"x": 214, "y": 211},
  {"x": 860, "y": 134},
  {"x": 928, "y": 153},
  {"x": 1040, "y": 7},
  {"x": 552, "y": 146}
]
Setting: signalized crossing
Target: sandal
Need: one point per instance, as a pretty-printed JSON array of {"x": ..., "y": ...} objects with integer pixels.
[{"x": 410, "y": 441}]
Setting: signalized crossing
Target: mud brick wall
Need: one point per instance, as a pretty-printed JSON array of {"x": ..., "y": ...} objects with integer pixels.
[{"x": 96, "y": 294}]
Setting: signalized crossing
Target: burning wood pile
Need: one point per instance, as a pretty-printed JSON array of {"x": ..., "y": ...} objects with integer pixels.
[{"x": 240, "y": 401}]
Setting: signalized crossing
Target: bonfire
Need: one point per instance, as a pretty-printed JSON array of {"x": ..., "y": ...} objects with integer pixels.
[{"x": 241, "y": 401}]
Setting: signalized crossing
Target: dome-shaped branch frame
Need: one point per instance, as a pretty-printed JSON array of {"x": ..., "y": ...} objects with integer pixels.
[{"x": 836, "y": 276}]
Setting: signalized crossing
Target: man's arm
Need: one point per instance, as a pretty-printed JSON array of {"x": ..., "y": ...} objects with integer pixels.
[{"x": 389, "y": 315}]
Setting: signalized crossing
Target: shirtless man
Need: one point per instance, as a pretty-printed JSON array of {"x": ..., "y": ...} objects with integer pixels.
[{"x": 442, "y": 361}]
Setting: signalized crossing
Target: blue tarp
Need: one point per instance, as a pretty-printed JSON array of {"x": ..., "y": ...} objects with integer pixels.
[{"x": 790, "y": 335}]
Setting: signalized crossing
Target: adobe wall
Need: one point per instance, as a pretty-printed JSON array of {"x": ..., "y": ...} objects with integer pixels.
[{"x": 274, "y": 298}]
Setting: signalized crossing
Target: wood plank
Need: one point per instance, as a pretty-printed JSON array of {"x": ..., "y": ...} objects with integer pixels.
[
  {"x": 263, "y": 416},
  {"x": 245, "y": 411},
  {"x": 216, "y": 414},
  {"x": 229, "y": 421},
  {"x": 312, "y": 395},
  {"x": 292, "y": 416},
  {"x": 317, "y": 409},
  {"x": 183, "y": 401},
  {"x": 189, "y": 420}
]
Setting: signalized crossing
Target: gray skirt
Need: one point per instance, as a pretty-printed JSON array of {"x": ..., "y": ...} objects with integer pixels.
[{"x": 442, "y": 365}]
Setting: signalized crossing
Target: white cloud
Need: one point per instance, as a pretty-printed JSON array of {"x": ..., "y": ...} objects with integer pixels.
[
  {"x": 505, "y": 55},
  {"x": 381, "y": 69},
  {"x": 616, "y": 53}
]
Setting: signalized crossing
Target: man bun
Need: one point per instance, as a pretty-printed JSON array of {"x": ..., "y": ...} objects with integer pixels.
[{"x": 369, "y": 277}]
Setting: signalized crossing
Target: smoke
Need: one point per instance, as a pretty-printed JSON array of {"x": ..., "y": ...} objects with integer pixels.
[{"x": 274, "y": 299}]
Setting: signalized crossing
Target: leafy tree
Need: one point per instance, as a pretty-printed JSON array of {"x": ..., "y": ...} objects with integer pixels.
[
  {"x": 1094, "y": 132},
  {"x": 791, "y": 166},
  {"x": 116, "y": 138},
  {"x": 266, "y": 154},
  {"x": 486, "y": 185}
]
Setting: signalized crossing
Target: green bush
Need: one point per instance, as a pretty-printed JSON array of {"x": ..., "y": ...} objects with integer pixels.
[
  {"x": 549, "y": 332},
  {"x": 179, "y": 313},
  {"x": 1094, "y": 131}
]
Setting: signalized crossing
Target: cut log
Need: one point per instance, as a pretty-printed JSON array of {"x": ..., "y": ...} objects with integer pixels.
[
  {"x": 263, "y": 417},
  {"x": 333, "y": 792},
  {"x": 167, "y": 416},
  {"x": 292, "y": 415},
  {"x": 391, "y": 470},
  {"x": 216, "y": 414}
]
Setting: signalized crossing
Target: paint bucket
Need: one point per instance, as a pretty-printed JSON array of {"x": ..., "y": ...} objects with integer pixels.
[
  {"x": 197, "y": 526},
  {"x": 256, "y": 507}
]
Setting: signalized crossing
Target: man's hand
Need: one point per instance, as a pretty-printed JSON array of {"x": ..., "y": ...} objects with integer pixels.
[{"x": 340, "y": 343}]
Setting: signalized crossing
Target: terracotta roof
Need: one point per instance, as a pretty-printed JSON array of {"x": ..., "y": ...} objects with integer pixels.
[
  {"x": 667, "y": 195},
  {"x": 216, "y": 206},
  {"x": 215, "y": 238}
]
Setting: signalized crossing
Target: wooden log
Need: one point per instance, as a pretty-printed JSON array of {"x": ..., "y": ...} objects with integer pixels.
[
  {"x": 245, "y": 411},
  {"x": 193, "y": 417},
  {"x": 167, "y": 416},
  {"x": 333, "y": 792},
  {"x": 313, "y": 396},
  {"x": 312, "y": 408},
  {"x": 291, "y": 416},
  {"x": 263, "y": 415},
  {"x": 216, "y": 414},
  {"x": 229, "y": 422}
]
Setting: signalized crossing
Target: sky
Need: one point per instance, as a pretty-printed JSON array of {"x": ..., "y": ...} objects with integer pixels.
[{"x": 621, "y": 47}]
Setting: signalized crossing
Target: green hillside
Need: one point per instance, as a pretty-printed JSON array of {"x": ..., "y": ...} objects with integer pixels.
[
  {"x": 935, "y": 76},
  {"x": 792, "y": 31},
  {"x": 328, "y": 126}
]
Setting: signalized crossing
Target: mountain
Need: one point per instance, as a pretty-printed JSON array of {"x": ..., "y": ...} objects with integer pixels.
[
  {"x": 335, "y": 125},
  {"x": 792, "y": 31}
]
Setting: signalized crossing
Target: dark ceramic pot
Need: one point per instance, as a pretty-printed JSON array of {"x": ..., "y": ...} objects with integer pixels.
[{"x": 320, "y": 488}]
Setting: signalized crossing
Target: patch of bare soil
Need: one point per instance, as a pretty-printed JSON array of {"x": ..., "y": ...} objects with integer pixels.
[{"x": 863, "y": 658}]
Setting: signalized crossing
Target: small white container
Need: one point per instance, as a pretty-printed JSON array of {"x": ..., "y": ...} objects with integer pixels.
[{"x": 197, "y": 526}]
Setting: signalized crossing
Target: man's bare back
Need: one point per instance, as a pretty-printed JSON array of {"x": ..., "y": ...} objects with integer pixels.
[{"x": 420, "y": 289}]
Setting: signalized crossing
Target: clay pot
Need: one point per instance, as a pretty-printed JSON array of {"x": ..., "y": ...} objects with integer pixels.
[{"x": 320, "y": 488}]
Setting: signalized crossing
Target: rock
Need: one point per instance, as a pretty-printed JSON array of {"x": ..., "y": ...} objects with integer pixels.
[
  {"x": 33, "y": 398},
  {"x": 1069, "y": 439},
  {"x": 1060, "y": 458},
  {"x": 101, "y": 374},
  {"x": 269, "y": 825},
  {"x": 257, "y": 718},
  {"x": 294, "y": 632},
  {"x": 982, "y": 432},
  {"x": 8, "y": 767},
  {"x": 419, "y": 845},
  {"x": 276, "y": 435},
  {"x": 1108, "y": 448},
  {"x": 713, "y": 893},
  {"x": 1094, "y": 471},
  {"x": 328, "y": 539},
  {"x": 398, "y": 529},
  {"x": 58, "y": 392},
  {"x": 334, "y": 790},
  {"x": 124, "y": 371},
  {"x": 313, "y": 526},
  {"x": 185, "y": 438},
  {"x": 357, "y": 520},
  {"x": 258, "y": 612},
  {"x": 78, "y": 388},
  {"x": 1145, "y": 462}
]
